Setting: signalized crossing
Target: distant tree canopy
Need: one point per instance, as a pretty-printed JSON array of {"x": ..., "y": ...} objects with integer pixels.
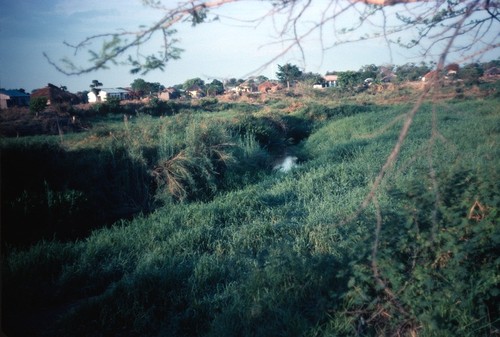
[
  {"x": 215, "y": 88},
  {"x": 261, "y": 78},
  {"x": 369, "y": 71},
  {"x": 194, "y": 82},
  {"x": 471, "y": 73},
  {"x": 412, "y": 71},
  {"x": 233, "y": 82},
  {"x": 141, "y": 87},
  {"x": 288, "y": 73},
  {"x": 350, "y": 79},
  {"x": 312, "y": 78}
]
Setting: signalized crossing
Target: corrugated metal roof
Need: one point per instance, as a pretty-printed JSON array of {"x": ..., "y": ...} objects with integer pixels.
[
  {"x": 113, "y": 90},
  {"x": 14, "y": 93}
]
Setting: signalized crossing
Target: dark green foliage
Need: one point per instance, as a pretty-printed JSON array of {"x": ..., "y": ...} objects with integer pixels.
[
  {"x": 158, "y": 107},
  {"x": 412, "y": 71},
  {"x": 348, "y": 80},
  {"x": 101, "y": 108},
  {"x": 216, "y": 87},
  {"x": 209, "y": 104},
  {"x": 143, "y": 88},
  {"x": 38, "y": 104},
  {"x": 288, "y": 74},
  {"x": 193, "y": 82},
  {"x": 113, "y": 104},
  {"x": 269, "y": 131},
  {"x": 192, "y": 170},
  {"x": 321, "y": 112},
  {"x": 471, "y": 73},
  {"x": 287, "y": 254},
  {"x": 51, "y": 191}
]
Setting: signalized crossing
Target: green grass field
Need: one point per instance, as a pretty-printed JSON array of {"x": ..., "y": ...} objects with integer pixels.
[{"x": 219, "y": 244}]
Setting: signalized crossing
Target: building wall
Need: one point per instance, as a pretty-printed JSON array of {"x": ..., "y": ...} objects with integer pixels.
[
  {"x": 3, "y": 101},
  {"x": 92, "y": 97},
  {"x": 7, "y": 101}
]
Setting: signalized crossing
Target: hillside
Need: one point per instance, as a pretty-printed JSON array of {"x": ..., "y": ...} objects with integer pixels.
[{"x": 217, "y": 243}]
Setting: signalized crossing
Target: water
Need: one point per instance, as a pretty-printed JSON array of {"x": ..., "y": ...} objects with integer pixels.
[{"x": 286, "y": 164}]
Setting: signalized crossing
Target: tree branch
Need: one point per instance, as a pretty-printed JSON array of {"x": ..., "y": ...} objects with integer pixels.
[{"x": 431, "y": 20}]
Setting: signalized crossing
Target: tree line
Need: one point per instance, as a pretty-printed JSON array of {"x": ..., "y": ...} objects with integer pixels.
[{"x": 290, "y": 75}]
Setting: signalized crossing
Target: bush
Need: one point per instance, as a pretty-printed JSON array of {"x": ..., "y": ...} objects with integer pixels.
[
  {"x": 38, "y": 104},
  {"x": 158, "y": 107},
  {"x": 269, "y": 131},
  {"x": 191, "y": 169},
  {"x": 320, "y": 112}
]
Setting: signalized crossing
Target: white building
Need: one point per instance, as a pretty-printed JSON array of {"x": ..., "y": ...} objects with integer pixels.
[
  {"x": 105, "y": 93},
  {"x": 330, "y": 80}
]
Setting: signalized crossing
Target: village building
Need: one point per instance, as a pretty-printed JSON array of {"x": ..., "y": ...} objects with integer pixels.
[
  {"x": 492, "y": 72},
  {"x": 450, "y": 71},
  {"x": 11, "y": 98},
  {"x": 269, "y": 86},
  {"x": 330, "y": 81},
  {"x": 195, "y": 91},
  {"x": 248, "y": 86},
  {"x": 168, "y": 94},
  {"x": 105, "y": 93},
  {"x": 55, "y": 95},
  {"x": 430, "y": 76}
]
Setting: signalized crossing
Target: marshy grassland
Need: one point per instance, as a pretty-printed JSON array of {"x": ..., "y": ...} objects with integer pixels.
[{"x": 170, "y": 220}]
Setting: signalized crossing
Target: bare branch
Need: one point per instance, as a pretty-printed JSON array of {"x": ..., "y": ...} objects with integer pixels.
[
  {"x": 388, "y": 2},
  {"x": 431, "y": 22}
]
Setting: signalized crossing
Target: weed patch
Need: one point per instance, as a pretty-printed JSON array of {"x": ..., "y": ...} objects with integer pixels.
[{"x": 265, "y": 254}]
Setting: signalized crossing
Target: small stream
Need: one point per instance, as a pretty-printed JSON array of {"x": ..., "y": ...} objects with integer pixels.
[{"x": 285, "y": 163}]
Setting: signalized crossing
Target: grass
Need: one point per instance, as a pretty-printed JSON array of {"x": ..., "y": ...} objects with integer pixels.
[{"x": 280, "y": 254}]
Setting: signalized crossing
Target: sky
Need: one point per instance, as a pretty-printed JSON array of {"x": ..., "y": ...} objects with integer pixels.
[{"x": 223, "y": 49}]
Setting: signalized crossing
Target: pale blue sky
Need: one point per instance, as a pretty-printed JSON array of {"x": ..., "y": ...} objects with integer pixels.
[{"x": 222, "y": 49}]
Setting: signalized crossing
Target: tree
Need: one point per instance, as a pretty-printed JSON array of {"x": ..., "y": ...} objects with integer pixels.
[
  {"x": 288, "y": 73},
  {"x": 139, "y": 86},
  {"x": 412, "y": 71},
  {"x": 369, "y": 71},
  {"x": 215, "y": 88},
  {"x": 95, "y": 87},
  {"x": 350, "y": 79},
  {"x": 142, "y": 87},
  {"x": 433, "y": 26},
  {"x": 233, "y": 82},
  {"x": 38, "y": 104},
  {"x": 312, "y": 78},
  {"x": 261, "y": 78},
  {"x": 194, "y": 82},
  {"x": 471, "y": 73}
]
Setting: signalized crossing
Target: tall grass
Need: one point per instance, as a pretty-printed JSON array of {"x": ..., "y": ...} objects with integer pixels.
[{"x": 282, "y": 255}]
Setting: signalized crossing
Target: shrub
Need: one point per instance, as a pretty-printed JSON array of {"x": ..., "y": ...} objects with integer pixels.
[
  {"x": 269, "y": 131},
  {"x": 38, "y": 104},
  {"x": 113, "y": 104},
  {"x": 191, "y": 169},
  {"x": 158, "y": 107},
  {"x": 209, "y": 104},
  {"x": 321, "y": 112}
]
